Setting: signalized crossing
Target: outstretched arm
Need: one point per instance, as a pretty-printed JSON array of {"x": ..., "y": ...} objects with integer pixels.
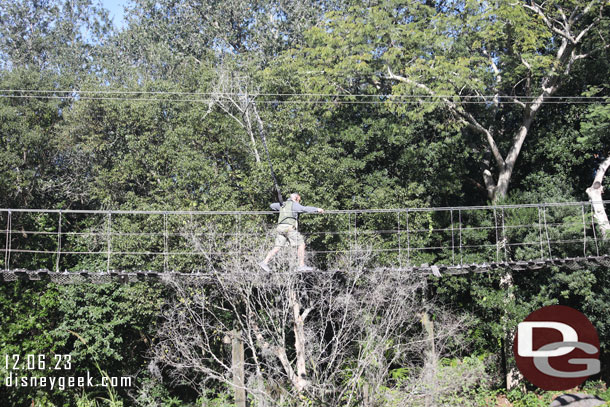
[
  {"x": 297, "y": 207},
  {"x": 275, "y": 206}
]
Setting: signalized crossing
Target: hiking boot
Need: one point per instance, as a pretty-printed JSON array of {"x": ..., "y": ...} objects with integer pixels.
[{"x": 264, "y": 266}]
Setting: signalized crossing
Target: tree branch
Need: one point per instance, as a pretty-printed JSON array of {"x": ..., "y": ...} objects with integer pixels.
[
  {"x": 536, "y": 9},
  {"x": 588, "y": 28},
  {"x": 498, "y": 77},
  {"x": 467, "y": 118}
]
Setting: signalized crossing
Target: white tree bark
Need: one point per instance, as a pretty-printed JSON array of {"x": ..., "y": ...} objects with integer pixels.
[
  {"x": 595, "y": 192},
  {"x": 234, "y": 98},
  {"x": 301, "y": 381}
]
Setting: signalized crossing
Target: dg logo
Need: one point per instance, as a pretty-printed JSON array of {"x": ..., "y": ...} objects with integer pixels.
[{"x": 556, "y": 348}]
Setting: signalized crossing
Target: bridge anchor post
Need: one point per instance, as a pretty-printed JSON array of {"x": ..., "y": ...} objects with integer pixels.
[
  {"x": 237, "y": 365},
  {"x": 430, "y": 363}
]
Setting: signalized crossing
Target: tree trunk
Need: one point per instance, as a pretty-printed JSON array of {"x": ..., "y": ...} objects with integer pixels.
[
  {"x": 299, "y": 341},
  {"x": 250, "y": 132},
  {"x": 513, "y": 376},
  {"x": 506, "y": 171},
  {"x": 595, "y": 192}
]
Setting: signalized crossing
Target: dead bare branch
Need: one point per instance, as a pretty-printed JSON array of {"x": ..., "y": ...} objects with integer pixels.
[{"x": 329, "y": 337}]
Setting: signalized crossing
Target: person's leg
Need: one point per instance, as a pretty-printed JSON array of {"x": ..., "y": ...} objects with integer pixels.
[
  {"x": 271, "y": 253},
  {"x": 296, "y": 239},
  {"x": 301, "y": 254},
  {"x": 280, "y": 240}
]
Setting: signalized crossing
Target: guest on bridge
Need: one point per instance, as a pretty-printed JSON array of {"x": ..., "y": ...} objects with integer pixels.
[{"x": 288, "y": 230}]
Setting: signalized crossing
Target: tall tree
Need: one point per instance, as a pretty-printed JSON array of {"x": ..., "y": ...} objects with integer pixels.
[
  {"x": 168, "y": 38},
  {"x": 491, "y": 66},
  {"x": 61, "y": 36}
]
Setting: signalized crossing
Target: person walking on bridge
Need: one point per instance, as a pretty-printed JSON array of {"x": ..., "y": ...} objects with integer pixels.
[{"x": 288, "y": 230}]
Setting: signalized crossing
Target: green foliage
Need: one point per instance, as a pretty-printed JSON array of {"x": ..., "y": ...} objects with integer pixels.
[
  {"x": 214, "y": 399},
  {"x": 27, "y": 140},
  {"x": 167, "y": 145},
  {"x": 112, "y": 400},
  {"x": 28, "y": 315},
  {"x": 108, "y": 317},
  {"x": 116, "y": 322},
  {"x": 52, "y": 35},
  {"x": 529, "y": 399},
  {"x": 85, "y": 401}
]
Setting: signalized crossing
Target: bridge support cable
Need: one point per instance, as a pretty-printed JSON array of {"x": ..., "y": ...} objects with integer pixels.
[
  {"x": 165, "y": 245},
  {"x": 540, "y": 232},
  {"x": 460, "y": 235},
  {"x": 58, "y": 243},
  {"x": 452, "y": 238},
  {"x": 594, "y": 232},
  {"x": 238, "y": 236},
  {"x": 504, "y": 237},
  {"x": 398, "y": 240},
  {"x": 7, "y": 250},
  {"x": 408, "y": 241},
  {"x": 108, "y": 240},
  {"x": 356, "y": 230},
  {"x": 546, "y": 231},
  {"x": 584, "y": 231},
  {"x": 497, "y": 237},
  {"x": 442, "y": 241}
]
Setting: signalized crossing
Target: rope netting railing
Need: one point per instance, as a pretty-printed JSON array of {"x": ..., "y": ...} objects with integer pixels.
[{"x": 76, "y": 241}]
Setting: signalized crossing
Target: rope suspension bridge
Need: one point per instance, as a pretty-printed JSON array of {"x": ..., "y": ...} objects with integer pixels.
[{"x": 68, "y": 246}]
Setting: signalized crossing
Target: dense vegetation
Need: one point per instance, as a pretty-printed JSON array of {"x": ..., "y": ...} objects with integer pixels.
[{"x": 383, "y": 104}]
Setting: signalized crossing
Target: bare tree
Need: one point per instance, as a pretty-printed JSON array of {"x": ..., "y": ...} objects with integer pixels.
[
  {"x": 330, "y": 337},
  {"x": 235, "y": 96}
]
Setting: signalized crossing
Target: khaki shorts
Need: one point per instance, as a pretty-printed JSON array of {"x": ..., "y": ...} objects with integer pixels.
[{"x": 288, "y": 234}]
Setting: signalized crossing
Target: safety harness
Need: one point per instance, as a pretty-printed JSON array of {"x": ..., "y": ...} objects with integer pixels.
[{"x": 286, "y": 216}]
